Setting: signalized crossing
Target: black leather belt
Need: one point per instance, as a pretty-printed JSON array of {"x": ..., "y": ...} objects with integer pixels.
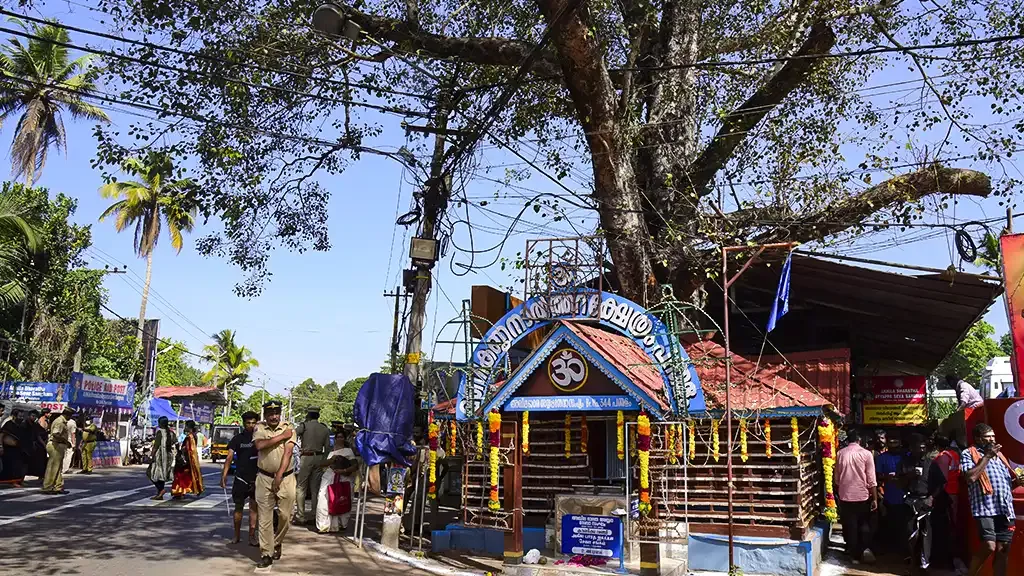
[
  {"x": 272, "y": 474},
  {"x": 311, "y": 453}
]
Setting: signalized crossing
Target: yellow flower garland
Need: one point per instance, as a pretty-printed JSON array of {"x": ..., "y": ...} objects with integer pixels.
[
  {"x": 679, "y": 441},
  {"x": 584, "y": 434},
  {"x": 620, "y": 436},
  {"x": 526, "y": 432},
  {"x": 827, "y": 438},
  {"x": 693, "y": 445},
  {"x": 452, "y": 434},
  {"x": 767, "y": 438},
  {"x": 743, "y": 440},
  {"x": 795, "y": 439},
  {"x": 494, "y": 427},
  {"x": 644, "y": 431},
  {"x": 714, "y": 440},
  {"x": 432, "y": 433},
  {"x": 670, "y": 443},
  {"x": 479, "y": 440},
  {"x": 632, "y": 444},
  {"x": 568, "y": 443}
]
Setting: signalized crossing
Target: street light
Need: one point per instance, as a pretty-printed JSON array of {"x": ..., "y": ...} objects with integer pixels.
[{"x": 328, "y": 19}]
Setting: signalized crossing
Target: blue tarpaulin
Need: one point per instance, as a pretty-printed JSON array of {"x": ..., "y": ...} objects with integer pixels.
[
  {"x": 384, "y": 412},
  {"x": 160, "y": 407}
]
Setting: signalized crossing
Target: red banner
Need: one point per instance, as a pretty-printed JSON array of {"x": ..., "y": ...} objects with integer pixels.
[
  {"x": 1012, "y": 248},
  {"x": 1004, "y": 415},
  {"x": 896, "y": 400}
]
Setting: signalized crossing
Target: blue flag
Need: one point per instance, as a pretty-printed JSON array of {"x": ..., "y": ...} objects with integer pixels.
[{"x": 781, "y": 295}]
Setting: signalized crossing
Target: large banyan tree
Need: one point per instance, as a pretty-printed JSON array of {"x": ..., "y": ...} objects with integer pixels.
[{"x": 702, "y": 123}]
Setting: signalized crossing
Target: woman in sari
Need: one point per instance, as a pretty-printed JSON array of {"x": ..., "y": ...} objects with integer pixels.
[
  {"x": 188, "y": 478},
  {"x": 16, "y": 438},
  {"x": 161, "y": 469}
]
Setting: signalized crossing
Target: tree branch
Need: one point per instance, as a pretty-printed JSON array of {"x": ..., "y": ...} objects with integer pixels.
[
  {"x": 488, "y": 51},
  {"x": 738, "y": 123},
  {"x": 845, "y": 214}
]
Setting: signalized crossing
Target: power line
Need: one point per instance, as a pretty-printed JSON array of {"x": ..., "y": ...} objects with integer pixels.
[{"x": 186, "y": 53}]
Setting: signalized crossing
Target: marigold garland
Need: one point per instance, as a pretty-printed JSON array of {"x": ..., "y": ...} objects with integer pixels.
[
  {"x": 670, "y": 443},
  {"x": 526, "y": 432},
  {"x": 827, "y": 438},
  {"x": 767, "y": 438},
  {"x": 494, "y": 427},
  {"x": 584, "y": 434},
  {"x": 452, "y": 435},
  {"x": 679, "y": 441},
  {"x": 644, "y": 448},
  {"x": 433, "y": 431},
  {"x": 632, "y": 444},
  {"x": 693, "y": 445},
  {"x": 714, "y": 440},
  {"x": 744, "y": 455},
  {"x": 479, "y": 440},
  {"x": 568, "y": 431},
  {"x": 620, "y": 435},
  {"x": 794, "y": 428}
]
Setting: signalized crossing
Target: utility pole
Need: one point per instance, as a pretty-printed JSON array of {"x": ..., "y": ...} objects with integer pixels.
[
  {"x": 435, "y": 202},
  {"x": 397, "y": 295}
]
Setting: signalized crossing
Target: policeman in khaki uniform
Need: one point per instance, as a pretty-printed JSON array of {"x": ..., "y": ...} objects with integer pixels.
[
  {"x": 58, "y": 444},
  {"x": 315, "y": 443},
  {"x": 275, "y": 483}
]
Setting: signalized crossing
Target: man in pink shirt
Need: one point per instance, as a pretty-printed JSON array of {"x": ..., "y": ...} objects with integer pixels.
[{"x": 857, "y": 492}]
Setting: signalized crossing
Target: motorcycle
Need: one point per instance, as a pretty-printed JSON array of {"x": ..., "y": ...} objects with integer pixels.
[{"x": 139, "y": 451}]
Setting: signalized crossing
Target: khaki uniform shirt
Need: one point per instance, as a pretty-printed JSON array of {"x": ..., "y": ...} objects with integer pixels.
[
  {"x": 59, "y": 431},
  {"x": 314, "y": 437},
  {"x": 269, "y": 460}
]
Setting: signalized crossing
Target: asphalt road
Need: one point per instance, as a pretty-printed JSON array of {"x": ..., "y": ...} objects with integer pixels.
[{"x": 108, "y": 526}]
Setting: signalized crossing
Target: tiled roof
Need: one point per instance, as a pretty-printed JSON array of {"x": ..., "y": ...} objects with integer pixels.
[
  {"x": 183, "y": 391},
  {"x": 754, "y": 387},
  {"x": 626, "y": 356}
]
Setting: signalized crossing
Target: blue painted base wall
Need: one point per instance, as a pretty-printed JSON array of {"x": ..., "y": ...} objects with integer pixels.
[
  {"x": 481, "y": 541},
  {"x": 710, "y": 552}
]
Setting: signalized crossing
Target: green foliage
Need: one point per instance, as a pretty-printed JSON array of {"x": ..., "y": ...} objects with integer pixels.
[
  {"x": 968, "y": 359},
  {"x": 1006, "y": 344},
  {"x": 941, "y": 408},
  {"x": 173, "y": 367},
  {"x": 43, "y": 82},
  {"x": 308, "y": 394},
  {"x": 231, "y": 364}
]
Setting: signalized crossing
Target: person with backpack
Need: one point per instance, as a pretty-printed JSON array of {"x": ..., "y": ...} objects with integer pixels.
[{"x": 990, "y": 482}]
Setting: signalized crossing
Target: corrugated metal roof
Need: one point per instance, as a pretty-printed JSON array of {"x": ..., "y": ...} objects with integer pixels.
[
  {"x": 826, "y": 372},
  {"x": 205, "y": 393},
  {"x": 881, "y": 316}
]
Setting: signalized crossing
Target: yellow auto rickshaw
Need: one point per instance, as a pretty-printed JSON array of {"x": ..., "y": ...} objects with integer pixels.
[{"x": 222, "y": 434}]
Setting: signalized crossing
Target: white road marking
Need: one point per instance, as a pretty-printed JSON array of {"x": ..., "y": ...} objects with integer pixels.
[
  {"x": 146, "y": 502},
  {"x": 19, "y": 491},
  {"x": 38, "y": 495},
  {"x": 207, "y": 503}
]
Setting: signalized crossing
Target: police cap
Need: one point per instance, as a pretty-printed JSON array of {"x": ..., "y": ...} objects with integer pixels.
[{"x": 272, "y": 405}]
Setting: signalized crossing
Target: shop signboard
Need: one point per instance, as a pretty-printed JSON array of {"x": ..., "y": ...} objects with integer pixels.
[
  {"x": 106, "y": 454},
  {"x": 591, "y": 535},
  {"x": 200, "y": 412},
  {"x": 88, "y": 391},
  {"x": 896, "y": 401},
  {"x": 50, "y": 395}
]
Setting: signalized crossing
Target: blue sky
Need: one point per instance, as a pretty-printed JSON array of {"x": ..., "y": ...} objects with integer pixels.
[{"x": 322, "y": 315}]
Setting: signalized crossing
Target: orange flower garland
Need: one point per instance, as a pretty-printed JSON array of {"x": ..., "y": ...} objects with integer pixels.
[
  {"x": 767, "y": 438},
  {"x": 644, "y": 448},
  {"x": 526, "y": 432},
  {"x": 584, "y": 434},
  {"x": 494, "y": 427},
  {"x": 679, "y": 441},
  {"x": 827, "y": 438},
  {"x": 620, "y": 436},
  {"x": 452, "y": 434},
  {"x": 432, "y": 434},
  {"x": 568, "y": 431}
]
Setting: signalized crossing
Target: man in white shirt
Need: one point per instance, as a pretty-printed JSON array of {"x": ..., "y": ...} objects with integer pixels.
[{"x": 73, "y": 436}]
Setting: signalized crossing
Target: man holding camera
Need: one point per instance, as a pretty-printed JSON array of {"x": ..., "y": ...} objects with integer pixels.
[{"x": 990, "y": 482}]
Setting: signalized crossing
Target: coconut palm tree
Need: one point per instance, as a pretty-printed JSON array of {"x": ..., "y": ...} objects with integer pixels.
[
  {"x": 231, "y": 364},
  {"x": 156, "y": 200},
  {"x": 41, "y": 82},
  {"x": 18, "y": 236}
]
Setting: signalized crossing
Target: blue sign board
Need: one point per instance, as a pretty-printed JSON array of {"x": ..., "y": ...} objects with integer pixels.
[
  {"x": 201, "y": 412},
  {"x": 34, "y": 392},
  {"x": 88, "y": 391},
  {"x": 106, "y": 454},
  {"x": 590, "y": 535},
  {"x": 575, "y": 403}
]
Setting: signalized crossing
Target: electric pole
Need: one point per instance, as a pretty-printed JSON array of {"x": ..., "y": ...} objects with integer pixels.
[
  {"x": 397, "y": 295},
  {"x": 435, "y": 202}
]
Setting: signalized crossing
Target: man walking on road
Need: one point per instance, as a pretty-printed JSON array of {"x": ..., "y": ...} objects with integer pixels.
[
  {"x": 315, "y": 442},
  {"x": 275, "y": 483},
  {"x": 858, "y": 496},
  {"x": 56, "y": 446},
  {"x": 242, "y": 448},
  {"x": 990, "y": 482}
]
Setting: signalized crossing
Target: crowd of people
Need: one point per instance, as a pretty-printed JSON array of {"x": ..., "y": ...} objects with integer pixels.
[
  {"x": 915, "y": 497},
  {"x": 45, "y": 444}
]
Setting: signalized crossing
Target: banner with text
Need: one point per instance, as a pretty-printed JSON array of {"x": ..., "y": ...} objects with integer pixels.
[
  {"x": 1012, "y": 248},
  {"x": 88, "y": 391},
  {"x": 896, "y": 401},
  {"x": 50, "y": 395},
  {"x": 106, "y": 454},
  {"x": 199, "y": 412}
]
